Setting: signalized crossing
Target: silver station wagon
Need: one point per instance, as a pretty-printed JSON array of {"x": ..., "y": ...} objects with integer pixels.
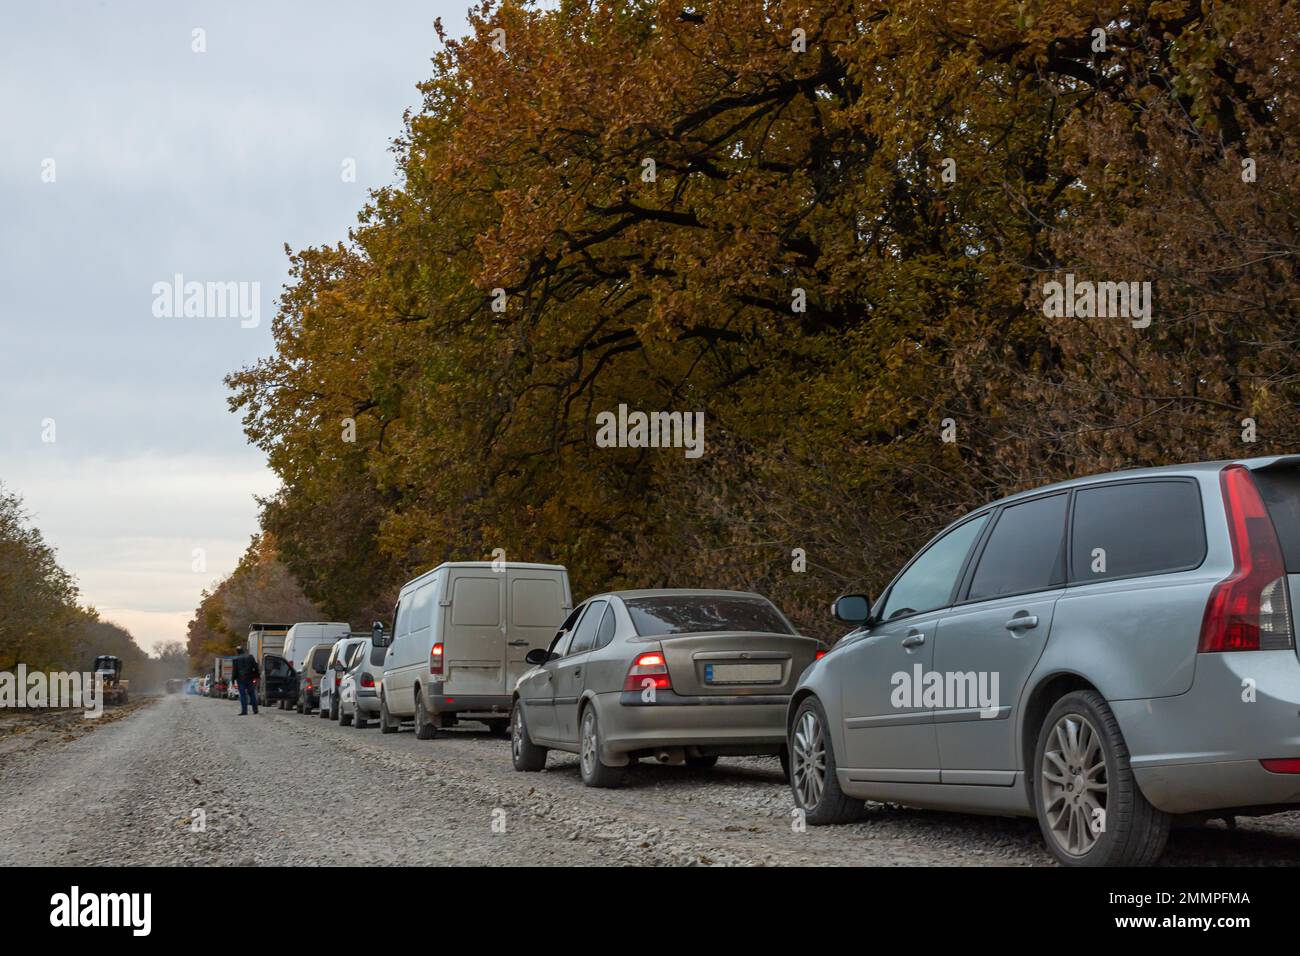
[
  {"x": 1103, "y": 654},
  {"x": 679, "y": 675}
]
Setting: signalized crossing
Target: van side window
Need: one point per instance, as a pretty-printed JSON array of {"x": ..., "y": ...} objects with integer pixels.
[
  {"x": 1024, "y": 552},
  {"x": 401, "y": 627},
  {"x": 420, "y": 616},
  {"x": 606, "y": 632},
  {"x": 929, "y": 582},
  {"x": 584, "y": 638},
  {"x": 1113, "y": 530}
]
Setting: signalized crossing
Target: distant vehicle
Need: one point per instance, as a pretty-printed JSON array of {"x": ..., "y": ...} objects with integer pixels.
[
  {"x": 359, "y": 689},
  {"x": 266, "y": 645},
  {"x": 460, "y": 635},
  {"x": 221, "y": 675},
  {"x": 175, "y": 685},
  {"x": 192, "y": 685},
  {"x": 679, "y": 675},
  {"x": 310, "y": 676},
  {"x": 109, "y": 669},
  {"x": 232, "y": 691},
  {"x": 205, "y": 683},
  {"x": 338, "y": 661},
  {"x": 302, "y": 637}
]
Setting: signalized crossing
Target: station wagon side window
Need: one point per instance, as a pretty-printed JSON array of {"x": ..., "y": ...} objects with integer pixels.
[
  {"x": 1025, "y": 550},
  {"x": 929, "y": 581},
  {"x": 1141, "y": 527}
]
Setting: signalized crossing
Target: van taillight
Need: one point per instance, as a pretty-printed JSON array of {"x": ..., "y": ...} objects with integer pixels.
[
  {"x": 435, "y": 659},
  {"x": 1249, "y": 609},
  {"x": 648, "y": 670}
]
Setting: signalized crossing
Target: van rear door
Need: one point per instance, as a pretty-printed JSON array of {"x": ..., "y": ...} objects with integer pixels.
[
  {"x": 474, "y": 632},
  {"x": 537, "y": 603}
]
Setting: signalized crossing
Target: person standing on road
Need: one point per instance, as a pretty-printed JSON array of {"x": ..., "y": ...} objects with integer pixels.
[{"x": 244, "y": 669}]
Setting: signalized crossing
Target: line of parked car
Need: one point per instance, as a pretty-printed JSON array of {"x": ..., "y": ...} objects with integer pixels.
[{"x": 1103, "y": 654}]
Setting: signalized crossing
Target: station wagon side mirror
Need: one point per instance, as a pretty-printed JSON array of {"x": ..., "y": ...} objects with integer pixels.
[
  {"x": 537, "y": 656},
  {"x": 852, "y": 608}
]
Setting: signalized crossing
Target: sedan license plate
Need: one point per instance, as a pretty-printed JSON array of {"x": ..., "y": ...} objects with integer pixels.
[{"x": 742, "y": 673}]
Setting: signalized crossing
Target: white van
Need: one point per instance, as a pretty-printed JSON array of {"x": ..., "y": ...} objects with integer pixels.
[
  {"x": 460, "y": 636},
  {"x": 302, "y": 636}
]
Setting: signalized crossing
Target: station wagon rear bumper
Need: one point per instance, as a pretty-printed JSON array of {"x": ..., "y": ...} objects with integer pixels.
[{"x": 1201, "y": 750}]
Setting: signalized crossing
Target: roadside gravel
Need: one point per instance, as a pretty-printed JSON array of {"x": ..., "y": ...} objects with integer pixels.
[{"x": 283, "y": 789}]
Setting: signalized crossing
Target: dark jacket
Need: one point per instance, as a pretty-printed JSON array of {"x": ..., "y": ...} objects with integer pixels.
[{"x": 244, "y": 667}]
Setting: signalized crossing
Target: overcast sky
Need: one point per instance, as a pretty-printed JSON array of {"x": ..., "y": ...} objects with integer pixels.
[{"x": 164, "y": 160}]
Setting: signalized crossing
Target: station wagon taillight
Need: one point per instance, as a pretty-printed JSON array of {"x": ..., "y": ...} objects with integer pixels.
[
  {"x": 435, "y": 659},
  {"x": 1249, "y": 609},
  {"x": 648, "y": 670},
  {"x": 367, "y": 680},
  {"x": 1282, "y": 765}
]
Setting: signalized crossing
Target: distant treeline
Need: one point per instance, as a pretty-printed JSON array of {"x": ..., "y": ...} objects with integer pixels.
[
  {"x": 831, "y": 227},
  {"x": 44, "y": 625}
]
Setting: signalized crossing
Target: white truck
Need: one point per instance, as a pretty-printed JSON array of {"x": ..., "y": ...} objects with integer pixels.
[{"x": 278, "y": 681}]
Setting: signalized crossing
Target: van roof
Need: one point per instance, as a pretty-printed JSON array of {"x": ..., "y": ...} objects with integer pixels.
[
  {"x": 1167, "y": 471},
  {"x": 509, "y": 566}
]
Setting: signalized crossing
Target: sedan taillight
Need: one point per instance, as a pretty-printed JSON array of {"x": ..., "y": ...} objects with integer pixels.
[{"x": 648, "y": 670}]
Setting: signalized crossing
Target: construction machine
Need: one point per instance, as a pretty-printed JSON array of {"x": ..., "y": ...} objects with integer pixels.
[{"x": 109, "y": 669}]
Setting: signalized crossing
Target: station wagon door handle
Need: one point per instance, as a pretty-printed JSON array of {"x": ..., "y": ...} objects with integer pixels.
[
  {"x": 914, "y": 639},
  {"x": 1022, "y": 621}
]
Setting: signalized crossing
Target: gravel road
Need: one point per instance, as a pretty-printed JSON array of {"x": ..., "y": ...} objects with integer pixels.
[{"x": 271, "y": 786}]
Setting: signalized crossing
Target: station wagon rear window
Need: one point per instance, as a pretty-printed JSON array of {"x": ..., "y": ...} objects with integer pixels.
[
  {"x": 694, "y": 614},
  {"x": 1140, "y": 527},
  {"x": 1280, "y": 489},
  {"x": 320, "y": 658}
]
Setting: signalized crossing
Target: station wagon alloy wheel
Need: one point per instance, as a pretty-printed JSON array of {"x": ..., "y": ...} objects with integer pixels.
[
  {"x": 809, "y": 760},
  {"x": 1074, "y": 784}
]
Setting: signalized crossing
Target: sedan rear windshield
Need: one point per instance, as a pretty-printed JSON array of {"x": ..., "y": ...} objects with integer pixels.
[
  {"x": 1280, "y": 489},
  {"x": 694, "y": 614}
]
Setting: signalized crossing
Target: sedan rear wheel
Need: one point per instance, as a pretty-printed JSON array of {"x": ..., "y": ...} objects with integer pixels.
[
  {"x": 812, "y": 770},
  {"x": 594, "y": 771}
]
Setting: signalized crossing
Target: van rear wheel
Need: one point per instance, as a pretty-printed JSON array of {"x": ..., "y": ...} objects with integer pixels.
[
  {"x": 424, "y": 726},
  {"x": 386, "y": 723},
  {"x": 526, "y": 755}
]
